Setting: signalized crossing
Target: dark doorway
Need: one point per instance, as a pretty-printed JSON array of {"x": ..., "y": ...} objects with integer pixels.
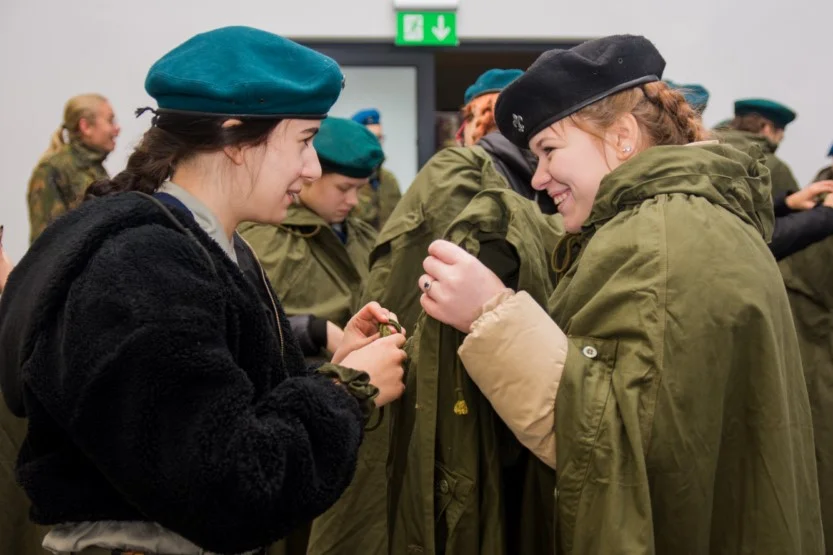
[{"x": 455, "y": 71}]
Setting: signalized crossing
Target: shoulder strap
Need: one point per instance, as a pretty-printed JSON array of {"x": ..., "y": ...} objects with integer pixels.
[
  {"x": 171, "y": 201},
  {"x": 160, "y": 200}
]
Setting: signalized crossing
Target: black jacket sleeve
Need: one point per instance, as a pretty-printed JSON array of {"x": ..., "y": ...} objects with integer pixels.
[
  {"x": 796, "y": 231},
  {"x": 152, "y": 395},
  {"x": 311, "y": 333},
  {"x": 779, "y": 203}
]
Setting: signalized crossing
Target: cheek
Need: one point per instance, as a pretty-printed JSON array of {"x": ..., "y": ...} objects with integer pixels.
[
  {"x": 285, "y": 168},
  {"x": 592, "y": 167},
  {"x": 338, "y": 199}
]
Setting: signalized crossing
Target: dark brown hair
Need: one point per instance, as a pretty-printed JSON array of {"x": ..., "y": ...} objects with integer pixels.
[
  {"x": 753, "y": 123},
  {"x": 662, "y": 113},
  {"x": 173, "y": 139}
]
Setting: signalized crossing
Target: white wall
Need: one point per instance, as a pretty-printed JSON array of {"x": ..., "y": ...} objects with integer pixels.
[
  {"x": 52, "y": 49},
  {"x": 392, "y": 91}
]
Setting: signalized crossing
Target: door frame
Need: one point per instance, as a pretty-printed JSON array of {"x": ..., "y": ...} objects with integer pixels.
[{"x": 386, "y": 54}]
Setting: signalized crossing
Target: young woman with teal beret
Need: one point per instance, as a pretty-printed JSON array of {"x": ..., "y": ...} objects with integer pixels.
[{"x": 170, "y": 410}]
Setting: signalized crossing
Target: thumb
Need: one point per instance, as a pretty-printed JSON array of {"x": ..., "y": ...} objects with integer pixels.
[{"x": 396, "y": 340}]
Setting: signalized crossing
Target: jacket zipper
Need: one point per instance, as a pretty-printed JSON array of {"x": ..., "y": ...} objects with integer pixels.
[{"x": 265, "y": 281}]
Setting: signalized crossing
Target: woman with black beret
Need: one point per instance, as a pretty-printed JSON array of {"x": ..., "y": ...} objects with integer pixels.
[
  {"x": 170, "y": 410},
  {"x": 663, "y": 382}
]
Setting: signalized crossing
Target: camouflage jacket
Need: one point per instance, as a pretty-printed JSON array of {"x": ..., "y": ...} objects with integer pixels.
[
  {"x": 59, "y": 181},
  {"x": 377, "y": 203}
]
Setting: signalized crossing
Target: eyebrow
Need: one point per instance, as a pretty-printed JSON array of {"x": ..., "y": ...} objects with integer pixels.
[
  {"x": 541, "y": 140},
  {"x": 557, "y": 137},
  {"x": 313, "y": 131}
]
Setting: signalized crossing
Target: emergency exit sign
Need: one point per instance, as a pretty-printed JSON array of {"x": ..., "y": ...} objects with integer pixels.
[{"x": 426, "y": 29}]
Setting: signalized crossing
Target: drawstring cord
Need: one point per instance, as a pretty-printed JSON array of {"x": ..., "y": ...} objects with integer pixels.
[
  {"x": 141, "y": 111},
  {"x": 564, "y": 253}
]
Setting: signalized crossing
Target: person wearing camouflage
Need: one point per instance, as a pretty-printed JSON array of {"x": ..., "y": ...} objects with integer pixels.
[
  {"x": 66, "y": 169},
  {"x": 379, "y": 197}
]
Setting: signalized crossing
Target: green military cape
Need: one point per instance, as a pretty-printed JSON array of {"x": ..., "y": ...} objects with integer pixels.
[
  {"x": 682, "y": 418},
  {"x": 461, "y": 483}
]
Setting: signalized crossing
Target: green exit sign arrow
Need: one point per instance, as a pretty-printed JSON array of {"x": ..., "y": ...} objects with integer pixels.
[{"x": 426, "y": 29}]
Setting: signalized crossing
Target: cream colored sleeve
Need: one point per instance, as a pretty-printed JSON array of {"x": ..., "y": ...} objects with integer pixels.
[{"x": 515, "y": 354}]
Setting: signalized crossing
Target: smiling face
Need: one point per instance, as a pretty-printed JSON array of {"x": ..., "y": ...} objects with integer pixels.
[
  {"x": 573, "y": 161},
  {"x": 101, "y": 130}
]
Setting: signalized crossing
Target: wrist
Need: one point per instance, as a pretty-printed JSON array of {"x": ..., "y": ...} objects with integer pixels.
[
  {"x": 493, "y": 303},
  {"x": 354, "y": 382}
]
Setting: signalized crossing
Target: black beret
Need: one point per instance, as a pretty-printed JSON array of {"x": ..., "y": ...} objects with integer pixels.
[{"x": 562, "y": 82}]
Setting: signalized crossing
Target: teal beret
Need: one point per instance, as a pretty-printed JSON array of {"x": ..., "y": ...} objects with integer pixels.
[
  {"x": 367, "y": 117},
  {"x": 775, "y": 112},
  {"x": 241, "y": 71},
  {"x": 347, "y": 148},
  {"x": 494, "y": 80},
  {"x": 696, "y": 95}
]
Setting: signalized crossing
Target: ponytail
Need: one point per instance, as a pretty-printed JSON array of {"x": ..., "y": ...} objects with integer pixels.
[
  {"x": 147, "y": 168},
  {"x": 173, "y": 138},
  {"x": 681, "y": 123},
  {"x": 480, "y": 113},
  {"x": 56, "y": 142}
]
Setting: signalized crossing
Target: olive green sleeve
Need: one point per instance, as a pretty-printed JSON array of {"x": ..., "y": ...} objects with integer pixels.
[
  {"x": 389, "y": 195},
  {"x": 357, "y": 383},
  {"x": 783, "y": 180}
]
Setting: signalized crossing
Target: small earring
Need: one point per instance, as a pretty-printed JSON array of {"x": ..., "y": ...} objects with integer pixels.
[{"x": 627, "y": 149}]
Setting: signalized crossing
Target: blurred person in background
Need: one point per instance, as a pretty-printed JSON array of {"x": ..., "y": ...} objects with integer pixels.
[
  {"x": 441, "y": 191},
  {"x": 763, "y": 122},
  {"x": 73, "y": 161},
  {"x": 378, "y": 198},
  {"x": 826, "y": 173}
]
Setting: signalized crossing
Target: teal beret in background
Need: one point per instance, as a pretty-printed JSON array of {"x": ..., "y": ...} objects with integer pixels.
[
  {"x": 241, "y": 71},
  {"x": 492, "y": 81},
  {"x": 775, "y": 112},
  {"x": 348, "y": 148},
  {"x": 696, "y": 95}
]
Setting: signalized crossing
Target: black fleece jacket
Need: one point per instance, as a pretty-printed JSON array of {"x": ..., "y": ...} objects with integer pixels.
[{"x": 158, "y": 388}]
